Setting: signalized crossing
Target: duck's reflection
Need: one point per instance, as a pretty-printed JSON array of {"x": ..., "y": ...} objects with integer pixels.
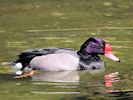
[
  {"x": 117, "y": 93},
  {"x": 62, "y": 76}
]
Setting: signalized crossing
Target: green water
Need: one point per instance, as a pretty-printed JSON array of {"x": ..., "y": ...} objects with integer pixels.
[{"x": 26, "y": 24}]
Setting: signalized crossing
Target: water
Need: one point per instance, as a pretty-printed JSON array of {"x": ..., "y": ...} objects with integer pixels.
[{"x": 39, "y": 24}]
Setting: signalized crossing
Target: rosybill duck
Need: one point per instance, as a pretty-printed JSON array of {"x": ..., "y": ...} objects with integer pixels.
[{"x": 59, "y": 59}]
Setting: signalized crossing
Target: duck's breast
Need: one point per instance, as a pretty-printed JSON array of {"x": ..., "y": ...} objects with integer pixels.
[{"x": 55, "y": 62}]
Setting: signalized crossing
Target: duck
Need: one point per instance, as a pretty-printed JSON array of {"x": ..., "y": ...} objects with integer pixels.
[{"x": 64, "y": 59}]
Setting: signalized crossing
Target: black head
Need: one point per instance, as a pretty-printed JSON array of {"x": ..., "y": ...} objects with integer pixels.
[{"x": 92, "y": 46}]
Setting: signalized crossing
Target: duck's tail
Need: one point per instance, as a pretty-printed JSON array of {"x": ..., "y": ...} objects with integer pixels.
[{"x": 25, "y": 57}]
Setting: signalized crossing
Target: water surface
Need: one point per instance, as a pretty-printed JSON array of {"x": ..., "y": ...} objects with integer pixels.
[{"x": 66, "y": 24}]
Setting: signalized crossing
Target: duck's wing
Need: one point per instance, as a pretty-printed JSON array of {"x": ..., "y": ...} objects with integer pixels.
[
  {"x": 37, "y": 52},
  {"x": 26, "y": 56},
  {"x": 45, "y": 51}
]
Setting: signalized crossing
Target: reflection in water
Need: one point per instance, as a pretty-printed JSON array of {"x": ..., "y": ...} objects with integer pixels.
[
  {"x": 110, "y": 78},
  {"x": 104, "y": 87},
  {"x": 116, "y": 93},
  {"x": 68, "y": 80},
  {"x": 62, "y": 76},
  {"x": 91, "y": 84},
  {"x": 61, "y": 80}
]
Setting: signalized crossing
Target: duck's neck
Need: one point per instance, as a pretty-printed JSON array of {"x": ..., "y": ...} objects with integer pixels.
[
  {"x": 86, "y": 58},
  {"x": 86, "y": 62}
]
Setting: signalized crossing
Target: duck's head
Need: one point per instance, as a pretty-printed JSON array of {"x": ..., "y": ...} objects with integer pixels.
[{"x": 95, "y": 46}]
